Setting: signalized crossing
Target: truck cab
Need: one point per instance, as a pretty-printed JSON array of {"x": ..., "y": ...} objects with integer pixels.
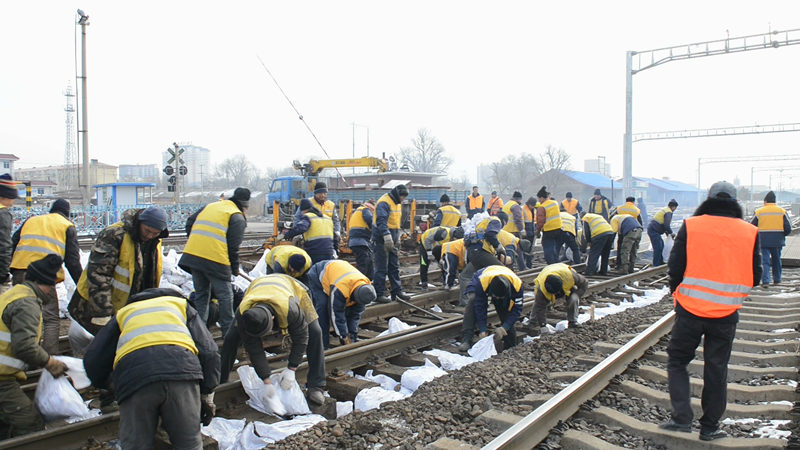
[{"x": 287, "y": 188}]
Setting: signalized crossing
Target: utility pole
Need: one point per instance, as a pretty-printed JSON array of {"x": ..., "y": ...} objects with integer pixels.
[{"x": 87, "y": 191}]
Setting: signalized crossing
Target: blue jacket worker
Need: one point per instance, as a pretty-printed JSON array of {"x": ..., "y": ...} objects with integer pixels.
[
  {"x": 658, "y": 225},
  {"x": 288, "y": 259},
  {"x": 340, "y": 293},
  {"x": 317, "y": 231},
  {"x": 386, "y": 225},
  {"x": 504, "y": 288},
  {"x": 773, "y": 227},
  {"x": 359, "y": 237}
]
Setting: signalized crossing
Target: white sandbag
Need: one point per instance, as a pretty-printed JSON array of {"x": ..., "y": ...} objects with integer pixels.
[
  {"x": 274, "y": 432},
  {"x": 469, "y": 226},
  {"x": 483, "y": 349},
  {"x": 249, "y": 440},
  {"x": 436, "y": 309},
  {"x": 668, "y": 242},
  {"x": 343, "y": 408},
  {"x": 450, "y": 361},
  {"x": 284, "y": 402},
  {"x": 56, "y": 398},
  {"x": 416, "y": 377},
  {"x": 260, "y": 268},
  {"x": 75, "y": 371},
  {"x": 79, "y": 338},
  {"x": 224, "y": 431},
  {"x": 386, "y": 382},
  {"x": 395, "y": 326},
  {"x": 372, "y": 398}
]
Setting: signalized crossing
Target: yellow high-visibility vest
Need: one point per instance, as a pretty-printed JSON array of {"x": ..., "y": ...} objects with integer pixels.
[
  {"x": 344, "y": 277},
  {"x": 770, "y": 218},
  {"x": 281, "y": 255},
  {"x": 450, "y": 216},
  {"x": 10, "y": 365},
  {"x": 552, "y": 218},
  {"x": 560, "y": 270},
  {"x": 321, "y": 227},
  {"x": 208, "y": 238},
  {"x": 156, "y": 321},
  {"x": 597, "y": 224},
  {"x": 395, "y": 212},
  {"x": 276, "y": 290},
  {"x": 41, "y": 236}
]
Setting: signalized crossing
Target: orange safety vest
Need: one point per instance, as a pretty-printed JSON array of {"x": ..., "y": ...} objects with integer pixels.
[
  {"x": 719, "y": 266},
  {"x": 475, "y": 202},
  {"x": 494, "y": 205},
  {"x": 527, "y": 214},
  {"x": 570, "y": 206}
]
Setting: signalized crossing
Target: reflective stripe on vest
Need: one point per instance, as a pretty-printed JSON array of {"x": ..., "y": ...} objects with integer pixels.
[
  {"x": 457, "y": 248},
  {"x": 344, "y": 277},
  {"x": 597, "y": 224},
  {"x": 320, "y": 228},
  {"x": 491, "y": 272},
  {"x": 157, "y": 321},
  {"x": 325, "y": 208},
  {"x": 480, "y": 230},
  {"x": 395, "y": 212},
  {"x": 450, "y": 216},
  {"x": 629, "y": 208},
  {"x": 510, "y": 226},
  {"x": 277, "y": 290},
  {"x": 719, "y": 265},
  {"x": 208, "y": 237},
  {"x": 122, "y": 278},
  {"x": 617, "y": 220},
  {"x": 357, "y": 221},
  {"x": 507, "y": 238},
  {"x": 281, "y": 255},
  {"x": 427, "y": 237},
  {"x": 10, "y": 365},
  {"x": 568, "y": 223},
  {"x": 475, "y": 202},
  {"x": 770, "y": 218},
  {"x": 41, "y": 236},
  {"x": 552, "y": 216},
  {"x": 600, "y": 206},
  {"x": 570, "y": 205},
  {"x": 494, "y": 205},
  {"x": 659, "y": 216},
  {"x": 560, "y": 270}
]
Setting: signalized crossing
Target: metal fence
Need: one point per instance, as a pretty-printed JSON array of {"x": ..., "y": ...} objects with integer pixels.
[{"x": 91, "y": 220}]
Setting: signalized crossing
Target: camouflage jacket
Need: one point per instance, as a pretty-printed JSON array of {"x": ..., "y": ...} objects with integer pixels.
[{"x": 104, "y": 258}]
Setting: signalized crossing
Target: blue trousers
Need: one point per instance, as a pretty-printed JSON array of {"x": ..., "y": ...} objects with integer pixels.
[
  {"x": 658, "y": 247},
  {"x": 551, "y": 244},
  {"x": 386, "y": 264},
  {"x": 771, "y": 257},
  {"x": 204, "y": 283}
]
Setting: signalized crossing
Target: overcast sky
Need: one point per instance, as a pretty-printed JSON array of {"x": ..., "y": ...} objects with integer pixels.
[{"x": 487, "y": 79}]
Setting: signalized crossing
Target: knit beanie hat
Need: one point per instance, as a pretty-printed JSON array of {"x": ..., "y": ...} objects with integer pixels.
[
  {"x": 498, "y": 287},
  {"x": 502, "y": 216},
  {"x": 444, "y": 198},
  {"x": 722, "y": 190},
  {"x": 60, "y": 206},
  {"x": 672, "y": 202},
  {"x": 569, "y": 195},
  {"x": 297, "y": 262},
  {"x": 257, "y": 321},
  {"x": 517, "y": 195},
  {"x": 457, "y": 233},
  {"x": 305, "y": 204},
  {"x": 531, "y": 201},
  {"x": 320, "y": 188},
  {"x": 554, "y": 285},
  {"x": 597, "y": 192},
  {"x": 440, "y": 234},
  {"x": 44, "y": 271},
  {"x": 401, "y": 189},
  {"x": 8, "y": 187},
  {"x": 770, "y": 197},
  {"x": 543, "y": 192},
  {"x": 241, "y": 196},
  {"x": 364, "y": 294},
  {"x": 154, "y": 217}
]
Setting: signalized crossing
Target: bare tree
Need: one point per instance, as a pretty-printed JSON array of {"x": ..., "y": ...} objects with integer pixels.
[
  {"x": 553, "y": 161},
  {"x": 426, "y": 154},
  {"x": 236, "y": 170},
  {"x": 514, "y": 173}
]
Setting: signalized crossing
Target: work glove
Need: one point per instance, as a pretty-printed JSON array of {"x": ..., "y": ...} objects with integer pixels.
[
  {"x": 55, "y": 367},
  {"x": 298, "y": 241},
  {"x": 287, "y": 379},
  {"x": 345, "y": 340},
  {"x": 207, "y": 408},
  {"x": 499, "y": 333},
  {"x": 388, "y": 243},
  {"x": 100, "y": 321},
  {"x": 269, "y": 390},
  {"x": 430, "y": 255},
  {"x": 500, "y": 251},
  {"x": 482, "y": 335}
]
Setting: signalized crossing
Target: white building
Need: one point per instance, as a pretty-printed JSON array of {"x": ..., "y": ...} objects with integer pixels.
[
  {"x": 7, "y": 164},
  {"x": 198, "y": 164}
]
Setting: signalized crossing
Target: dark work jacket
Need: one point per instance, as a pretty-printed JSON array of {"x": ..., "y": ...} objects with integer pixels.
[
  {"x": 774, "y": 239},
  {"x": 72, "y": 253},
  {"x": 156, "y": 363},
  {"x": 677, "y": 258},
  {"x": 360, "y": 236},
  {"x": 6, "y": 250},
  {"x": 236, "y": 225}
]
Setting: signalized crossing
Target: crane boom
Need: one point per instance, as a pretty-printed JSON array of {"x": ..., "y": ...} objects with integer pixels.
[{"x": 314, "y": 166}]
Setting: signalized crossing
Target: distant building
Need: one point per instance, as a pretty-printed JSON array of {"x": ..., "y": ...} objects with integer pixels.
[
  {"x": 198, "y": 165},
  {"x": 139, "y": 172},
  {"x": 7, "y": 163},
  {"x": 598, "y": 165},
  {"x": 581, "y": 184},
  {"x": 99, "y": 173}
]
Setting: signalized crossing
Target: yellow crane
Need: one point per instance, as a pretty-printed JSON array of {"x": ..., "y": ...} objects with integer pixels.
[{"x": 315, "y": 166}]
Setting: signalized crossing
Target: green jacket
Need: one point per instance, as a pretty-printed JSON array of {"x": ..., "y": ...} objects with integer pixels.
[{"x": 22, "y": 318}]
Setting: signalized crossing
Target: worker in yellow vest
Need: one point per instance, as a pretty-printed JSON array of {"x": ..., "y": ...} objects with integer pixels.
[
  {"x": 600, "y": 204},
  {"x": 661, "y": 223},
  {"x": 553, "y": 282},
  {"x": 164, "y": 365},
  {"x": 452, "y": 258},
  {"x": 39, "y": 236},
  {"x": 598, "y": 234},
  {"x": 386, "y": 242},
  {"x": 513, "y": 209},
  {"x": 447, "y": 215},
  {"x": 474, "y": 204},
  {"x": 8, "y": 193},
  {"x": 569, "y": 236},
  {"x": 548, "y": 221},
  {"x": 529, "y": 217},
  {"x": 429, "y": 239},
  {"x": 278, "y": 302},
  {"x": 773, "y": 227},
  {"x": 317, "y": 233},
  {"x": 20, "y": 331},
  {"x": 505, "y": 290},
  {"x": 359, "y": 235},
  {"x": 494, "y": 205},
  {"x": 288, "y": 259},
  {"x": 341, "y": 294},
  {"x": 630, "y": 209},
  {"x": 515, "y": 247},
  {"x": 125, "y": 260},
  {"x": 629, "y": 234},
  {"x": 211, "y": 254},
  {"x": 320, "y": 201}
]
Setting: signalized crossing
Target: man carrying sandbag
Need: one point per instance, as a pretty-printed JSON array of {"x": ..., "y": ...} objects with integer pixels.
[
  {"x": 161, "y": 358},
  {"x": 281, "y": 300},
  {"x": 20, "y": 332}
]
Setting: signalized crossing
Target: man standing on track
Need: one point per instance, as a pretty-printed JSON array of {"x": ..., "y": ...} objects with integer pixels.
[
  {"x": 714, "y": 263},
  {"x": 773, "y": 227},
  {"x": 495, "y": 204},
  {"x": 660, "y": 224},
  {"x": 359, "y": 234},
  {"x": 386, "y": 226},
  {"x": 474, "y": 203}
]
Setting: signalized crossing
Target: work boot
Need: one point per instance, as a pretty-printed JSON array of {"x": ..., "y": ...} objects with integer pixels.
[
  {"x": 316, "y": 396},
  {"x": 402, "y": 296},
  {"x": 712, "y": 435},
  {"x": 464, "y": 346},
  {"x": 674, "y": 426},
  {"x": 108, "y": 404},
  {"x": 383, "y": 299},
  {"x": 423, "y": 286}
]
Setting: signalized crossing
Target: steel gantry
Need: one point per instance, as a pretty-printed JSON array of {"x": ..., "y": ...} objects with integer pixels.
[{"x": 637, "y": 61}]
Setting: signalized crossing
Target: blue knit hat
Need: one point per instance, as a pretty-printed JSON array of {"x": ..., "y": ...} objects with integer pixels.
[{"x": 154, "y": 217}]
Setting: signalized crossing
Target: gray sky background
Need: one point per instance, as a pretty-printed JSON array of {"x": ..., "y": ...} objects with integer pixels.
[{"x": 487, "y": 78}]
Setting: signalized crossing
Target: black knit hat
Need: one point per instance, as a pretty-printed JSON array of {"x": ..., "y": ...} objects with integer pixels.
[
  {"x": 364, "y": 294},
  {"x": 569, "y": 195},
  {"x": 444, "y": 198},
  {"x": 597, "y": 192},
  {"x": 241, "y": 196},
  {"x": 672, "y": 202},
  {"x": 60, "y": 206},
  {"x": 440, "y": 234},
  {"x": 44, "y": 271},
  {"x": 305, "y": 204},
  {"x": 8, "y": 187},
  {"x": 498, "y": 287},
  {"x": 297, "y": 262},
  {"x": 401, "y": 190},
  {"x": 320, "y": 188},
  {"x": 257, "y": 321},
  {"x": 517, "y": 194},
  {"x": 531, "y": 201},
  {"x": 770, "y": 197},
  {"x": 543, "y": 192},
  {"x": 554, "y": 285}
]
